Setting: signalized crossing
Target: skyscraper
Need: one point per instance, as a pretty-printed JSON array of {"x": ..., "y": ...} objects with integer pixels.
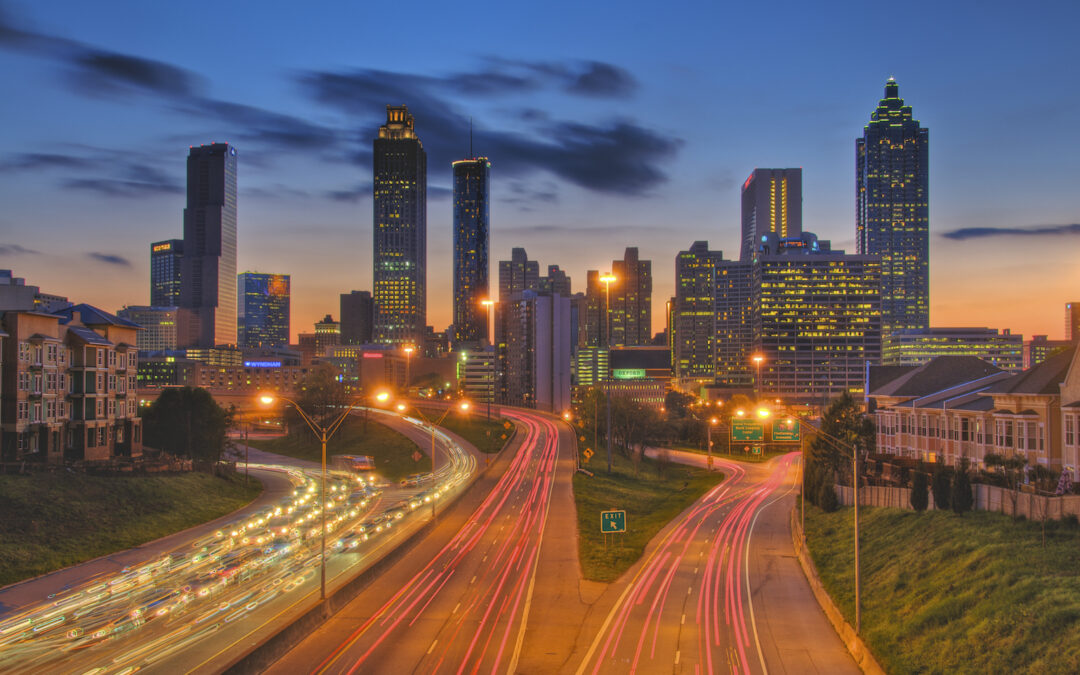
[
  {"x": 400, "y": 231},
  {"x": 891, "y": 210},
  {"x": 471, "y": 235},
  {"x": 357, "y": 311},
  {"x": 263, "y": 310},
  {"x": 208, "y": 277},
  {"x": 771, "y": 202},
  {"x": 166, "y": 259},
  {"x": 1072, "y": 321},
  {"x": 518, "y": 274},
  {"x": 631, "y": 300}
]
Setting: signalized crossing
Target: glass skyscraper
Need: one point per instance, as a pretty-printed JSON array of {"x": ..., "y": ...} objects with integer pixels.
[
  {"x": 400, "y": 231},
  {"x": 771, "y": 202},
  {"x": 892, "y": 214},
  {"x": 263, "y": 311},
  {"x": 166, "y": 258},
  {"x": 208, "y": 279},
  {"x": 471, "y": 237}
]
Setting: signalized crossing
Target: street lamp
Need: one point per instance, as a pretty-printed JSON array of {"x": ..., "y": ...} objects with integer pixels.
[
  {"x": 401, "y": 407},
  {"x": 324, "y": 433},
  {"x": 855, "y": 492},
  {"x": 708, "y": 449},
  {"x": 607, "y": 280},
  {"x": 757, "y": 359},
  {"x": 408, "y": 349}
]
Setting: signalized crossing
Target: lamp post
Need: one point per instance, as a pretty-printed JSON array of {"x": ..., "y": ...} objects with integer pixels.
[
  {"x": 708, "y": 447},
  {"x": 401, "y": 407},
  {"x": 490, "y": 305},
  {"x": 408, "y": 349},
  {"x": 757, "y": 359},
  {"x": 607, "y": 280},
  {"x": 855, "y": 493},
  {"x": 324, "y": 433}
]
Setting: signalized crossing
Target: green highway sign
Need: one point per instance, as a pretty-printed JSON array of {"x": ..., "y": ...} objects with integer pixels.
[
  {"x": 747, "y": 430},
  {"x": 786, "y": 431},
  {"x": 612, "y": 521}
]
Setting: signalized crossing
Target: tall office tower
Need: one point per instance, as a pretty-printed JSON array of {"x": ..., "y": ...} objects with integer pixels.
[
  {"x": 357, "y": 311},
  {"x": 734, "y": 323},
  {"x": 631, "y": 300},
  {"x": 816, "y": 318},
  {"x": 1072, "y": 321},
  {"x": 161, "y": 326},
  {"x": 694, "y": 315},
  {"x": 518, "y": 274},
  {"x": 262, "y": 317},
  {"x": 771, "y": 202},
  {"x": 327, "y": 334},
  {"x": 400, "y": 231},
  {"x": 208, "y": 279},
  {"x": 471, "y": 235},
  {"x": 556, "y": 281},
  {"x": 595, "y": 320},
  {"x": 166, "y": 259},
  {"x": 892, "y": 217},
  {"x": 533, "y": 334}
]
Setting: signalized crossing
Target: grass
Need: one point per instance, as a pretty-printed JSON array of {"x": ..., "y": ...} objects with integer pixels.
[
  {"x": 948, "y": 594},
  {"x": 52, "y": 521},
  {"x": 489, "y": 436},
  {"x": 393, "y": 453},
  {"x": 650, "y": 500}
]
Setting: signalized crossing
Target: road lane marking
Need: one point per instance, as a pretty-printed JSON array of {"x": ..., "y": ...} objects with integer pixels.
[
  {"x": 456, "y": 608},
  {"x": 677, "y": 653},
  {"x": 683, "y": 619},
  {"x": 432, "y": 647}
]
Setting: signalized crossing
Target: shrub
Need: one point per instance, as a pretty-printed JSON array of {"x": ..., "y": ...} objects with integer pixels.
[
  {"x": 920, "y": 497},
  {"x": 941, "y": 487},
  {"x": 961, "y": 489},
  {"x": 827, "y": 500}
]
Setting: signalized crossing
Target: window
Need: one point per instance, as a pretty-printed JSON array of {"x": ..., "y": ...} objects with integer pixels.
[
  {"x": 100, "y": 357},
  {"x": 112, "y": 408},
  {"x": 112, "y": 359},
  {"x": 37, "y": 413},
  {"x": 101, "y": 435},
  {"x": 99, "y": 408},
  {"x": 1070, "y": 430},
  {"x": 23, "y": 411}
]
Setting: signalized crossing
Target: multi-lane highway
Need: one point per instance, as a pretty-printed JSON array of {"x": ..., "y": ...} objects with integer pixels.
[
  {"x": 192, "y": 607},
  {"x": 709, "y": 597},
  {"x": 462, "y": 602}
]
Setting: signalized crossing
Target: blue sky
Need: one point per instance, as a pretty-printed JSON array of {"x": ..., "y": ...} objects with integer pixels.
[{"x": 607, "y": 124}]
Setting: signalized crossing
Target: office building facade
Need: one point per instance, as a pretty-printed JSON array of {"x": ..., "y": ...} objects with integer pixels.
[
  {"x": 771, "y": 202},
  {"x": 357, "y": 314},
  {"x": 892, "y": 209},
  {"x": 208, "y": 276},
  {"x": 166, "y": 262},
  {"x": 263, "y": 311},
  {"x": 400, "y": 231},
  {"x": 631, "y": 300},
  {"x": 1003, "y": 349},
  {"x": 471, "y": 242},
  {"x": 518, "y": 274},
  {"x": 533, "y": 338}
]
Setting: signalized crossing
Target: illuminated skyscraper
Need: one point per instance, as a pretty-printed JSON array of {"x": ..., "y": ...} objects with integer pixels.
[
  {"x": 208, "y": 277},
  {"x": 771, "y": 202},
  {"x": 263, "y": 311},
  {"x": 891, "y": 210},
  {"x": 518, "y": 274},
  {"x": 166, "y": 258},
  {"x": 471, "y": 235},
  {"x": 816, "y": 318},
  {"x": 400, "y": 231},
  {"x": 631, "y": 301}
]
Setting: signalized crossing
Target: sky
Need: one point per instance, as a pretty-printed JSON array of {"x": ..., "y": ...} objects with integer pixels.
[{"x": 607, "y": 125}]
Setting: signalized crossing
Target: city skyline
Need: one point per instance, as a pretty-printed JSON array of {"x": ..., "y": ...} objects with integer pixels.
[{"x": 583, "y": 142}]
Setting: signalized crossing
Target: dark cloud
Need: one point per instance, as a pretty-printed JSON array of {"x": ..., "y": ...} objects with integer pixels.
[
  {"x": 620, "y": 157},
  {"x": 355, "y": 194},
  {"x": 603, "y": 80},
  {"x": 965, "y": 233},
  {"x": 276, "y": 191},
  {"x": 15, "y": 249},
  {"x": 111, "y": 187},
  {"x": 97, "y": 72},
  {"x": 264, "y": 126},
  {"x": 581, "y": 78},
  {"x": 525, "y": 195},
  {"x": 110, "y": 259},
  {"x": 31, "y": 161}
]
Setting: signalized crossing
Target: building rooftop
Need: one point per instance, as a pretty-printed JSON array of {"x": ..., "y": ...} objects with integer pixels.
[
  {"x": 942, "y": 372},
  {"x": 1044, "y": 378},
  {"x": 92, "y": 316}
]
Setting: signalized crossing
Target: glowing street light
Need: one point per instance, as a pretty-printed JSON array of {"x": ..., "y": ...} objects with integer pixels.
[
  {"x": 708, "y": 449},
  {"x": 757, "y": 359}
]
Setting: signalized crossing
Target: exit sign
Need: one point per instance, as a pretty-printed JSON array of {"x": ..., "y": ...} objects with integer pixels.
[
  {"x": 747, "y": 430},
  {"x": 785, "y": 431},
  {"x": 612, "y": 521}
]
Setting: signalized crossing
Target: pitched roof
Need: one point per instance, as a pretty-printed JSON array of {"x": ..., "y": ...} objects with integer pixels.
[
  {"x": 940, "y": 373},
  {"x": 882, "y": 375},
  {"x": 88, "y": 336},
  {"x": 1044, "y": 378},
  {"x": 92, "y": 316}
]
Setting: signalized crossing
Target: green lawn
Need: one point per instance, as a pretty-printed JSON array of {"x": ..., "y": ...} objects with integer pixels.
[
  {"x": 650, "y": 502},
  {"x": 949, "y": 594},
  {"x": 394, "y": 454},
  {"x": 487, "y": 435},
  {"x": 51, "y": 521}
]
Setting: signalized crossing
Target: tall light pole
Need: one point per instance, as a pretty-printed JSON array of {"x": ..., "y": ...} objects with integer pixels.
[
  {"x": 708, "y": 449},
  {"x": 401, "y": 407},
  {"x": 490, "y": 305},
  {"x": 607, "y": 280},
  {"x": 757, "y": 359},
  {"x": 408, "y": 349},
  {"x": 324, "y": 433}
]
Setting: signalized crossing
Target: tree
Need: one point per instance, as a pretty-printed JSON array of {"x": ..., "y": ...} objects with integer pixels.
[
  {"x": 677, "y": 404},
  {"x": 941, "y": 487},
  {"x": 961, "y": 488},
  {"x": 844, "y": 426},
  {"x": 827, "y": 500},
  {"x": 187, "y": 422},
  {"x": 920, "y": 497}
]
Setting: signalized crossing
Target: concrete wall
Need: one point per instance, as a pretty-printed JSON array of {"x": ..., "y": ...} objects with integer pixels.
[{"x": 987, "y": 498}]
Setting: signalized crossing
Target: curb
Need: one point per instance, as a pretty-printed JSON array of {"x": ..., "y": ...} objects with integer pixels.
[{"x": 855, "y": 646}]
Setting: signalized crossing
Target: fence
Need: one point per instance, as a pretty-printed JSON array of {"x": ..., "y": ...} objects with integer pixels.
[{"x": 986, "y": 498}]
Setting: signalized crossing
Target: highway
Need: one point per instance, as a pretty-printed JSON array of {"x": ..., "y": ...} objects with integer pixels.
[
  {"x": 192, "y": 607},
  {"x": 460, "y": 602},
  {"x": 719, "y": 590}
]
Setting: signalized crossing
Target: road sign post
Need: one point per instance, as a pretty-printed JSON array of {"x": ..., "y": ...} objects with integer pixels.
[
  {"x": 747, "y": 430},
  {"x": 786, "y": 431},
  {"x": 612, "y": 521}
]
